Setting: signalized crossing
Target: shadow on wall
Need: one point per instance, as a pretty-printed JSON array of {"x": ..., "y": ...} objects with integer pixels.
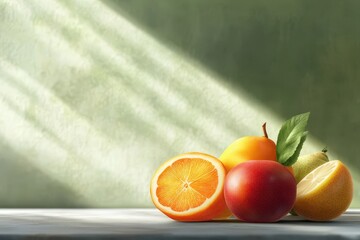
[
  {"x": 31, "y": 187},
  {"x": 291, "y": 55}
]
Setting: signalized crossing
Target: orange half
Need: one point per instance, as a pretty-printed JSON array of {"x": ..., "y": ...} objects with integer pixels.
[{"x": 189, "y": 187}]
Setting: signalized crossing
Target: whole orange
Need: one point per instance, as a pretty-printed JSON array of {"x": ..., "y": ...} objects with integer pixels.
[{"x": 249, "y": 148}]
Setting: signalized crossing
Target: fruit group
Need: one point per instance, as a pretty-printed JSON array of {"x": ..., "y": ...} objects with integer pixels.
[
  {"x": 254, "y": 178},
  {"x": 189, "y": 187},
  {"x": 248, "y": 148},
  {"x": 260, "y": 191},
  {"x": 305, "y": 164},
  {"x": 325, "y": 193}
]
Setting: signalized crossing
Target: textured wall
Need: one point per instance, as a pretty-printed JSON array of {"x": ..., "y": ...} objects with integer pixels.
[{"x": 95, "y": 95}]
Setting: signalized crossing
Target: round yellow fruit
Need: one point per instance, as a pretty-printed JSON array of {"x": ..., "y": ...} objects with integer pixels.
[
  {"x": 305, "y": 164},
  {"x": 248, "y": 148},
  {"x": 325, "y": 193}
]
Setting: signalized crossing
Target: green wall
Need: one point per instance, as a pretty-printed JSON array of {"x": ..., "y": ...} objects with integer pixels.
[{"x": 94, "y": 95}]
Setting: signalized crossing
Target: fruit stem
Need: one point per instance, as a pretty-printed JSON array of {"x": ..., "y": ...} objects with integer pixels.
[
  {"x": 324, "y": 149},
  {"x": 264, "y": 130}
]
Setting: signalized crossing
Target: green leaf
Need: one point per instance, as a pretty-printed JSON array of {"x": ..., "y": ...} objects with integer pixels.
[
  {"x": 290, "y": 137},
  {"x": 296, "y": 154}
]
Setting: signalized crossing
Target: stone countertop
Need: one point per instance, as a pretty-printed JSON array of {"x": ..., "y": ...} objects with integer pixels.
[{"x": 152, "y": 224}]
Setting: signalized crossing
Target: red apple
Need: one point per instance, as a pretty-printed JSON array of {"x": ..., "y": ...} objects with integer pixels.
[{"x": 260, "y": 191}]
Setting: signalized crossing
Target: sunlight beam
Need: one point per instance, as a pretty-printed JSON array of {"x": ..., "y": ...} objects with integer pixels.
[
  {"x": 88, "y": 154},
  {"x": 152, "y": 100}
]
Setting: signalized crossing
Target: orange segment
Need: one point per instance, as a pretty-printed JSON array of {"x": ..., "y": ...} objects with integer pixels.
[
  {"x": 207, "y": 184},
  {"x": 189, "y": 187}
]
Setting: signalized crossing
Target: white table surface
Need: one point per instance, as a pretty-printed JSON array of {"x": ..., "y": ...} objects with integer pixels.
[{"x": 151, "y": 224}]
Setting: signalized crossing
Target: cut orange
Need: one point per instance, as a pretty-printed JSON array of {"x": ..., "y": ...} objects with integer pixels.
[
  {"x": 325, "y": 193},
  {"x": 189, "y": 187}
]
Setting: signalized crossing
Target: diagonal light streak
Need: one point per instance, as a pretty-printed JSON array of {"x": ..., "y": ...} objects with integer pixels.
[
  {"x": 155, "y": 100},
  {"x": 94, "y": 154},
  {"x": 139, "y": 78}
]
